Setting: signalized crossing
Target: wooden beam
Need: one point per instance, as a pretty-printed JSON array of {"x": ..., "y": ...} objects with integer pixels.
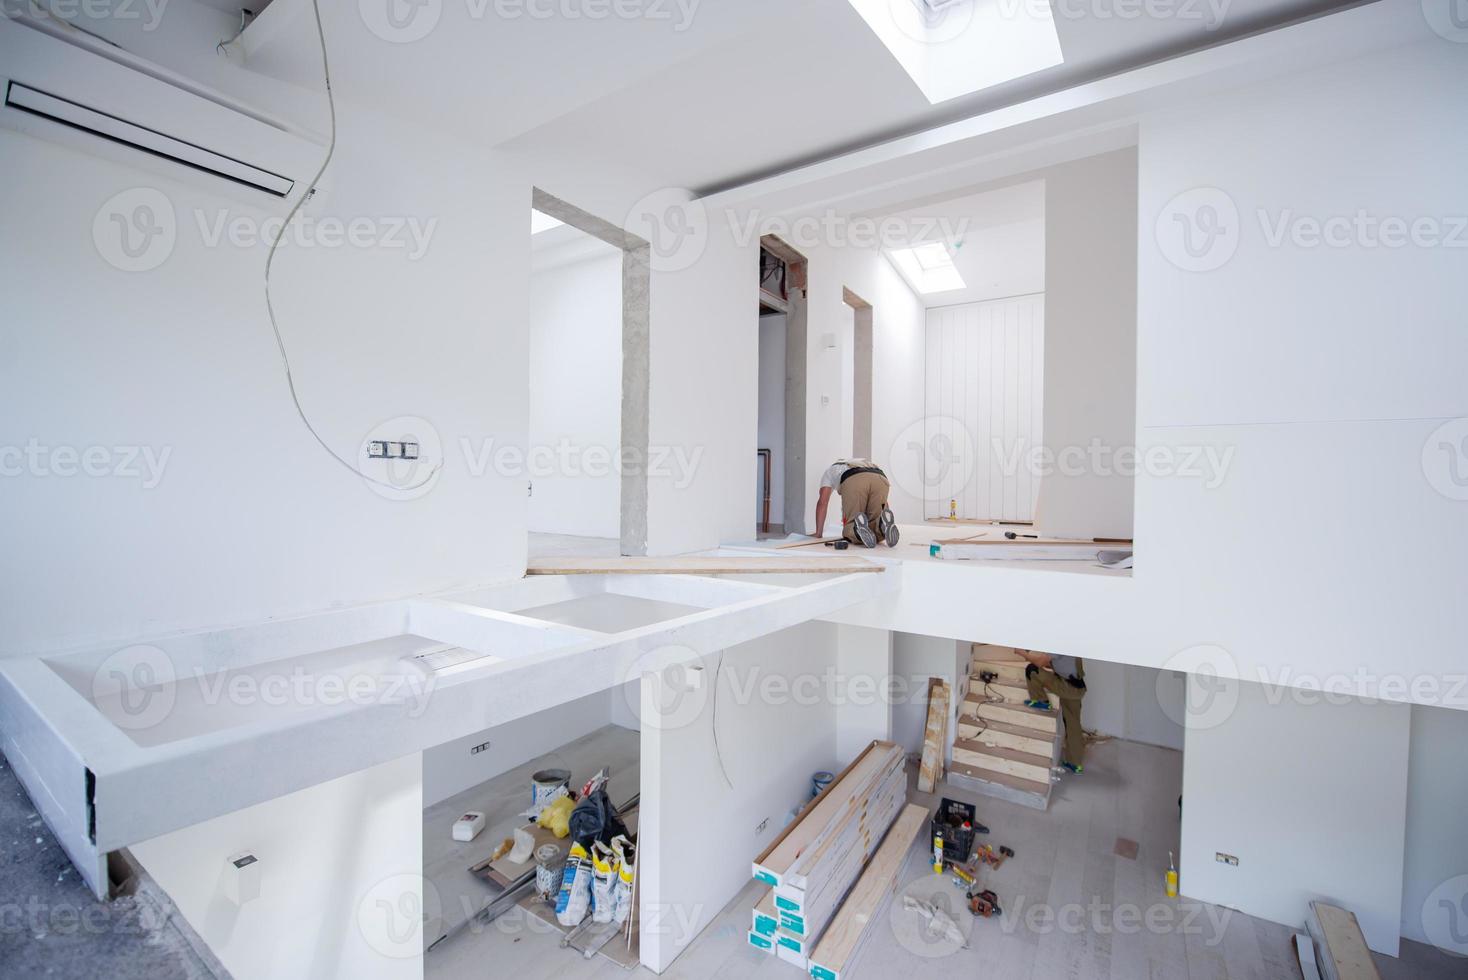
[
  {"x": 837, "y": 949},
  {"x": 712, "y": 565},
  {"x": 934, "y": 736}
]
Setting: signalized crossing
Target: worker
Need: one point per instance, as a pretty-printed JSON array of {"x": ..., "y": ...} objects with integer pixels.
[
  {"x": 1065, "y": 678},
  {"x": 865, "y": 516}
]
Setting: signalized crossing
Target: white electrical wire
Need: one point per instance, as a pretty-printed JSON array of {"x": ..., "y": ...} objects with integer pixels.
[{"x": 270, "y": 261}]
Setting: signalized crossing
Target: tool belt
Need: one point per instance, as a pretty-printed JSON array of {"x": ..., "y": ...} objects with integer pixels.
[{"x": 862, "y": 469}]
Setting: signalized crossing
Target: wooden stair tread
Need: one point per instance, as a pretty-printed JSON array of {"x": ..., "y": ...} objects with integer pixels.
[
  {"x": 1013, "y": 782},
  {"x": 1002, "y": 728},
  {"x": 976, "y": 698},
  {"x": 994, "y": 654},
  {"x": 1000, "y": 752}
]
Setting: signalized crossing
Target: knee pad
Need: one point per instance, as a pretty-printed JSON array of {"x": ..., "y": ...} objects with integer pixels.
[{"x": 1030, "y": 671}]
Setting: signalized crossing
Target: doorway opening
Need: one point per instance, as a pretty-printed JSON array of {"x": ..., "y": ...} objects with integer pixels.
[
  {"x": 589, "y": 383},
  {"x": 780, "y": 438}
]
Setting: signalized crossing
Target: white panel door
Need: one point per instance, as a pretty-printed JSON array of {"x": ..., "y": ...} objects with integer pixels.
[{"x": 984, "y": 408}]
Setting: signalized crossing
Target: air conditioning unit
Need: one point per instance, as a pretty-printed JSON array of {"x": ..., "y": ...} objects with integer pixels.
[{"x": 67, "y": 93}]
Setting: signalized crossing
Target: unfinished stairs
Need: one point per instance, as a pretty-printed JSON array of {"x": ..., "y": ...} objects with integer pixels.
[{"x": 1004, "y": 749}]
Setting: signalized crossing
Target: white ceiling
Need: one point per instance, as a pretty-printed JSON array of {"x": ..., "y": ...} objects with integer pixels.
[{"x": 741, "y": 89}]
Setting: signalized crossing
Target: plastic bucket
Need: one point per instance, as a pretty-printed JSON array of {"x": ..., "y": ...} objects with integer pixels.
[{"x": 543, "y": 784}]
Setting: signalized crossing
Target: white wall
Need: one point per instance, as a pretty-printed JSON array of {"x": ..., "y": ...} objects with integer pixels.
[
  {"x": 1090, "y": 342},
  {"x": 771, "y": 427},
  {"x": 897, "y": 370},
  {"x": 576, "y": 394},
  {"x": 1311, "y": 797},
  {"x": 915, "y": 658},
  {"x": 340, "y": 867},
  {"x": 1140, "y": 704},
  {"x": 1437, "y": 849},
  {"x": 450, "y": 768},
  {"x": 251, "y": 519},
  {"x": 984, "y": 390},
  {"x": 699, "y": 831}
]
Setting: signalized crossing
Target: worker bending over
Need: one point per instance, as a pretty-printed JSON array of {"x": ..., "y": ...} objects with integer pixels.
[
  {"x": 1065, "y": 678},
  {"x": 865, "y": 516}
]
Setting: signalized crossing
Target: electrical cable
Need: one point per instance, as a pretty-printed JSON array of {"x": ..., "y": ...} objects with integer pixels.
[
  {"x": 285, "y": 360},
  {"x": 714, "y": 722}
]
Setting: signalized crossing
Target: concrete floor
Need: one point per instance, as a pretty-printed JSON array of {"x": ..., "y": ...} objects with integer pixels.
[
  {"x": 51, "y": 925},
  {"x": 1065, "y": 864}
]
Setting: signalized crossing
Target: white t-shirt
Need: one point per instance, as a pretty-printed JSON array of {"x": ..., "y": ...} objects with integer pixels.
[{"x": 832, "y": 477}]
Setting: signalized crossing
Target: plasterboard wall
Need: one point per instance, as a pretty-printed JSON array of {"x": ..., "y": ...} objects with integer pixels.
[
  {"x": 1090, "y": 344},
  {"x": 1310, "y": 796},
  {"x": 576, "y": 395},
  {"x": 1140, "y": 704},
  {"x": 1345, "y": 420},
  {"x": 772, "y": 416},
  {"x": 897, "y": 370},
  {"x": 340, "y": 868},
  {"x": 1436, "y": 872},
  {"x": 699, "y": 827},
  {"x": 249, "y": 519}
]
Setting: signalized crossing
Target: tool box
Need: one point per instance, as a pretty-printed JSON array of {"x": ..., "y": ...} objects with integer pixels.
[{"x": 955, "y": 821}]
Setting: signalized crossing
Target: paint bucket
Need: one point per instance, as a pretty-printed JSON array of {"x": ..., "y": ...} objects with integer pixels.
[
  {"x": 550, "y": 861},
  {"x": 544, "y": 784},
  {"x": 820, "y": 781}
]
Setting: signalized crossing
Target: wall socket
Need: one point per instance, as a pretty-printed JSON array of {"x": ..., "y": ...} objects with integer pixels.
[
  {"x": 387, "y": 449},
  {"x": 481, "y": 747},
  {"x": 1227, "y": 859}
]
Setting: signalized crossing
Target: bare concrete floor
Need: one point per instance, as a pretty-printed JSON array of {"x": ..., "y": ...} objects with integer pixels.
[
  {"x": 52, "y": 926},
  {"x": 1072, "y": 907}
]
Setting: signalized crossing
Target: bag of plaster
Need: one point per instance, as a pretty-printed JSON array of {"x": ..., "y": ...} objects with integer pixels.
[
  {"x": 626, "y": 856},
  {"x": 575, "y": 895},
  {"x": 603, "y": 881}
]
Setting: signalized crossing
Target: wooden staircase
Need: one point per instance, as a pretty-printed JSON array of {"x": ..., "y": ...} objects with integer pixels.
[{"x": 1004, "y": 749}]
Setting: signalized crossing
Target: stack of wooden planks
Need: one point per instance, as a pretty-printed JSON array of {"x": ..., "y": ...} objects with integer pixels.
[
  {"x": 811, "y": 866},
  {"x": 839, "y": 945},
  {"x": 935, "y": 736},
  {"x": 1340, "y": 948}
]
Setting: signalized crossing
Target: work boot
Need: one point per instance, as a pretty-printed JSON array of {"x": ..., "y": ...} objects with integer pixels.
[
  {"x": 864, "y": 532},
  {"x": 887, "y": 527}
]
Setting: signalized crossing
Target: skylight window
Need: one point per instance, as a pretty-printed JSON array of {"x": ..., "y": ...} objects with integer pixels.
[
  {"x": 952, "y": 48},
  {"x": 539, "y": 222},
  {"x": 928, "y": 268}
]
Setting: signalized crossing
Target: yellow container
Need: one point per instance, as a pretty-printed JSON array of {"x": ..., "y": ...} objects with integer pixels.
[{"x": 1171, "y": 878}]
